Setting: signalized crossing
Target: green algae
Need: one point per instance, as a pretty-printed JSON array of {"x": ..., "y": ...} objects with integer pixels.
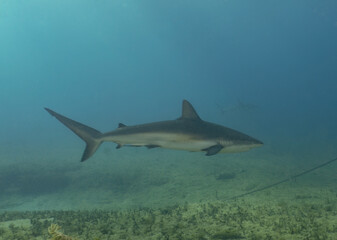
[
  {"x": 228, "y": 234},
  {"x": 204, "y": 221}
]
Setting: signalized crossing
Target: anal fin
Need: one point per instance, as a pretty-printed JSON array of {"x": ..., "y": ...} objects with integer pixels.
[{"x": 152, "y": 146}]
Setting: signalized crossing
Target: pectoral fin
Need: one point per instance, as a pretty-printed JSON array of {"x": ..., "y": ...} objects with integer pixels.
[{"x": 212, "y": 150}]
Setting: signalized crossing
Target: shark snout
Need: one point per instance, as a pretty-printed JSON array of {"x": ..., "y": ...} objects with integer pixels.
[{"x": 255, "y": 143}]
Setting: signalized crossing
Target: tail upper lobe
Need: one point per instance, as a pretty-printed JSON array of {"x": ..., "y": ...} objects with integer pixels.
[{"x": 89, "y": 135}]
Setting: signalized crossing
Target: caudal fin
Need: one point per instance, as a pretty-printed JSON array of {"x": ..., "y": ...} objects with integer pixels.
[{"x": 89, "y": 135}]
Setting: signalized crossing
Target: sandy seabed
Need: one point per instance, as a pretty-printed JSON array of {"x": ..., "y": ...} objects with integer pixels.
[{"x": 134, "y": 193}]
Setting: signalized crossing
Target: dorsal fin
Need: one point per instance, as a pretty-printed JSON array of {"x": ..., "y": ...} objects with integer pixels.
[
  {"x": 188, "y": 111},
  {"x": 121, "y": 125}
]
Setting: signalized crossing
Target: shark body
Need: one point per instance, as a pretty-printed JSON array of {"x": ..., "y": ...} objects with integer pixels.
[{"x": 189, "y": 132}]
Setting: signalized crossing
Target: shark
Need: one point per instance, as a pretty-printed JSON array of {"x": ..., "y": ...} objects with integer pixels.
[{"x": 189, "y": 132}]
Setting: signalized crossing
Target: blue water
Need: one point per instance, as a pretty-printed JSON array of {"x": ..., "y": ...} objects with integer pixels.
[{"x": 266, "y": 68}]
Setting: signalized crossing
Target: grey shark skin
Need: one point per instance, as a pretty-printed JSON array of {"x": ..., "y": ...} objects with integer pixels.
[{"x": 188, "y": 133}]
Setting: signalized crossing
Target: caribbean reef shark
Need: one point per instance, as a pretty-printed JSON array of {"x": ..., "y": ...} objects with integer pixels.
[{"x": 188, "y": 133}]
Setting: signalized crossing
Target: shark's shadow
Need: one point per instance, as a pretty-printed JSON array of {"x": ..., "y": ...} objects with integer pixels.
[{"x": 14, "y": 181}]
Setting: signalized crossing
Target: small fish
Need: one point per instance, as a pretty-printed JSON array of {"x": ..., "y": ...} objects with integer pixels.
[{"x": 188, "y": 133}]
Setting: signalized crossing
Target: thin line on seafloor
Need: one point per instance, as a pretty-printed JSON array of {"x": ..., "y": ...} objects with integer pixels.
[{"x": 282, "y": 181}]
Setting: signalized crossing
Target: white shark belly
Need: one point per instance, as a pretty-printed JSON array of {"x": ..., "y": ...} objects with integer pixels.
[
  {"x": 164, "y": 140},
  {"x": 193, "y": 146}
]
